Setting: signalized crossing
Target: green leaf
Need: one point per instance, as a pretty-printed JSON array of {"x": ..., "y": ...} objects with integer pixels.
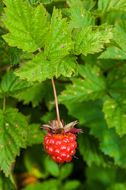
[
  {"x": 90, "y": 87},
  {"x": 115, "y": 114},
  {"x": 120, "y": 34},
  {"x": 116, "y": 80},
  {"x": 58, "y": 43},
  {"x": 65, "y": 171},
  {"x": 80, "y": 18},
  {"x": 86, "y": 4},
  {"x": 12, "y": 137},
  {"x": 52, "y": 184},
  {"x": 108, "y": 5},
  {"x": 6, "y": 183},
  {"x": 117, "y": 186},
  {"x": 110, "y": 143},
  {"x": 27, "y": 27},
  {"x": 113, "y": 53},
  {"x": 72, "y": 185},
  {"x": 35, "y": 135},
  {"x": 52, "y": 167},
  {"x": 89, "y": 41},
  {"x": 11, "y": 85},
  {"x": 32, "y": 94},
  {"x": 88, "y": 147},
  {"x": 87, "y": 111},
  {"x": 40, "y": 69}
]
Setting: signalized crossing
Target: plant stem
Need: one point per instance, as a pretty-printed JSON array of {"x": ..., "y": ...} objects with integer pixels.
[
  {"x": 56, "y": 102},
  {"x": 4, "y": 103}
]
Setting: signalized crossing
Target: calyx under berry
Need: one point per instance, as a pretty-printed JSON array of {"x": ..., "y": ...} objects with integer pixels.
[{"x": 55, "y": 128}]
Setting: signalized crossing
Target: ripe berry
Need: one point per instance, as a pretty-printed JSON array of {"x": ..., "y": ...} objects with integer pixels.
[
  {"x": 60, "y": 141},
  {"x": 61, "y": 147}
]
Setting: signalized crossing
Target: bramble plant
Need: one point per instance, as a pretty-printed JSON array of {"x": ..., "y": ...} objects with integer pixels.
[{"x": 81, "y": 45}]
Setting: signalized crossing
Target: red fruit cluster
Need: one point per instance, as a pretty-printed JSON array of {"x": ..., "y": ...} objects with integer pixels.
[{"x": 61, "y": 147}]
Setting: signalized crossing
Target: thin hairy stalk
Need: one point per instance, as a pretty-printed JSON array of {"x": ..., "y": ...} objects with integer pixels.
[{"x": 56, "y": 102}]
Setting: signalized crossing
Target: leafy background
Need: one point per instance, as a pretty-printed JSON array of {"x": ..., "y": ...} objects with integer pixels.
[{"x": 82, "y": 44}]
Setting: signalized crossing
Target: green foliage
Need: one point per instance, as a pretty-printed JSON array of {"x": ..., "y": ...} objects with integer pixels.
[
  {"x": 115, "y": 114},
  {"x": 91, "y": 85},
  {"x": 112, "y": 4},
  {"x": 13, "y": 135},
  {"x": 90, "y": 152},
  {"x": 80, "y": 18},
  {"x": 89, "y": 41},
  {"x": 25, "y": 25},
  {"x": 82, "y": 45}
]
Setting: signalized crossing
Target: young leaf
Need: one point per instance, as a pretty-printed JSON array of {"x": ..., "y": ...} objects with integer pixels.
[
  {"x": 108, "y": 5},
  {"x": 40, "y": 69},
  {"x": 113, "y": 53},
  {"x": 115, "y": 115},
  {"x": 27, "y": 27},
  {"x": 13, "y": 131},
  {"x": 91, "y": 41},
  {"x": 80, "y": 18},
  {"x": 90, "y": 87}
]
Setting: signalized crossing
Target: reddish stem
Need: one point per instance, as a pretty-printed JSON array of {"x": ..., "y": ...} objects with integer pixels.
[{"x": 56, "y": 102}]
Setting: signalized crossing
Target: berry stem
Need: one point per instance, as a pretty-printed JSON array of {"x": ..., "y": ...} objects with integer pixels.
[{"x": 56, "y": 102}]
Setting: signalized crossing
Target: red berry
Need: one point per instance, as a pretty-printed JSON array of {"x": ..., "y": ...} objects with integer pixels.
[{"x": 61, "y": 147}]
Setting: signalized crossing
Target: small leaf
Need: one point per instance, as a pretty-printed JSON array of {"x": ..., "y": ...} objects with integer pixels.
[
  {"x": 52, "y": 167},
  {"x": 65, "y": 171},
  {"x": 72, "y": 185}
]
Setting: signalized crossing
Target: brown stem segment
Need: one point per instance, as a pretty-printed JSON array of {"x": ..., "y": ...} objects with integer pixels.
[{"x": 56, "y": 102}]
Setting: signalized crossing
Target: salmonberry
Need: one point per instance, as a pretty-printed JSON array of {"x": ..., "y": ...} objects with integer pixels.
[
  {"x": 61, "y": 147},
  {"x": 60, "y": 141}
]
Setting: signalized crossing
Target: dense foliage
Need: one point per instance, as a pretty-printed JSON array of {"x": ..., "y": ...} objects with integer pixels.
[{"x": 82, "y": 45}]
